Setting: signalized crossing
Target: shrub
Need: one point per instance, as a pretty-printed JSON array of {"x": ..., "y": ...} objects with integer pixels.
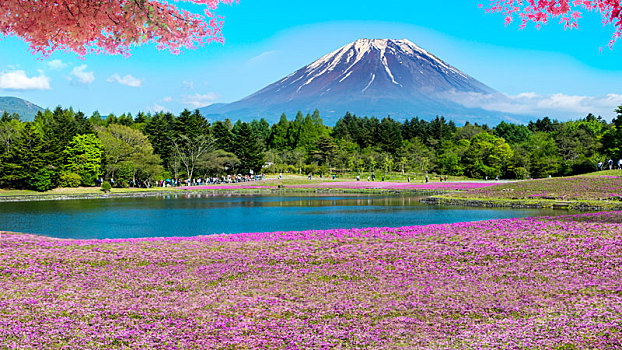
[
  {"x": 42, "y": 180},
  {"x": 106, "y": 187},
  {"x": 69, "y": 180}
]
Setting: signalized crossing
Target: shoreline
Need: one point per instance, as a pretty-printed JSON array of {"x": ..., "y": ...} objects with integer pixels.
[
  {"x": 524, "y": 204},
  {"x": 181, "y": 191},
  {"x": 432, "y": 197}
]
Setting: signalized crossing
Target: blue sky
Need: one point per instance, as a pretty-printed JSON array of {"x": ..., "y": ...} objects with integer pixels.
[{"x": 549, "y": 71}]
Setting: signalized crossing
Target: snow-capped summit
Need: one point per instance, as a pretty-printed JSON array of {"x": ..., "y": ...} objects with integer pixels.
[
  {"x": 377, "y": 77},
  {"x": 370, "y": 66}
]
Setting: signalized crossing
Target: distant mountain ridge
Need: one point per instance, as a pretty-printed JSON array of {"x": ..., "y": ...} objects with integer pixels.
[
  {"x": 373, "y": 77},
  {"x": 26, "y": 109}
]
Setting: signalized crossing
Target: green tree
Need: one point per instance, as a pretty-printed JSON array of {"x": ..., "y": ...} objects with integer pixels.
[
  {"x": 420, "y": 154},
  {"x": 10, "y": 131},
  {"x": 612, "y": 138},
  {"x": 293, "y": 132},
  {"x": 58, "y": 128},
  {"x": 159, "y": 130},
  {"x": 307, "y": 134},
  {"x": 84, "y": 156},
  {"x": 325, "y": 150},
  {"x": 190, "y": 140},
  {"x": 487, "y": 155},
  {"x": 261, "y": 130},
  {"x": 25, "y": 166},
  {"x": 128, "y": 149},
  {"x": 248, "y": 150},
  {"x": 192, "y": 125},
  {"x": 219, "y": 162},
  {"x": 389, "y": 135},
  {"x": 387, "y": 162},
  {"x": 278, "y": 135},
  {"x": 450, "y": 163},
  {"x": 544, "y": 159},
  {"x": 223, "y": 138},
  {"x": 518, "y": 167},
  {"x": 512, "y": 133},
  {"x": 189, "y": 151},
  {"x": 543, "y": 125}
]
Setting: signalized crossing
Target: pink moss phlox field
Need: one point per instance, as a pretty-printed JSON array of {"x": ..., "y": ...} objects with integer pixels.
[
  {"x": 603, "y": 187},
  {"x": 224, "y": 187},
  {"x": 543, "y": 283},
  {"x": 448, "y": 186}
]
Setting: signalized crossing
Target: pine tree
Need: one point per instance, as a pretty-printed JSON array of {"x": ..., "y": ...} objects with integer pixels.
[
  {"x": 261, "y": 130},
  {"x": 278, "y": 137},
  {"x": 26, "y": 159},
  {"x": 293, "y": 132},
  {"x": 159, "y": 132},
  {"x": 59, "y": 128},
  {"x": 192, "y": 125},
  {"x": 247, "y": 149},
  {"x": 222, "y": 136}
]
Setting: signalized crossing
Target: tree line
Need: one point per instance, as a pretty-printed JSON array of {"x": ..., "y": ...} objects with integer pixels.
[{"x": 68, "y": 149}]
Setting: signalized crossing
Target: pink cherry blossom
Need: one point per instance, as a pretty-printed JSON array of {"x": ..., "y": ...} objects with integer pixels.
[
  {"x": 567, "y": 11},
  {"x": 108, "y": 26}
]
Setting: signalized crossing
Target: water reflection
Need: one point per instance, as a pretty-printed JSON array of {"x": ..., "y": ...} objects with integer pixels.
[{"x": 187, "y": 214}]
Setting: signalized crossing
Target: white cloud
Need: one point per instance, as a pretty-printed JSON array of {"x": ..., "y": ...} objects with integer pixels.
[
  {"x": 56, "y": 64},
  {"x": 155, "y": 108},
  {"x": 81, "y": 75},
  {"x": 127, "y": 80},
  {"x": 167, "y": 99},
  {"x": 261, "y": 57},
  {"x": 18, "y": 80},
  {"x": 187, "y": 85},
  {"x": 199, "y": 100},
  {"x": 530, "y": 103}
]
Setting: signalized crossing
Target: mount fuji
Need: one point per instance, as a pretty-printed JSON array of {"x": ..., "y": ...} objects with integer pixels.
[{"x": 368, "y": 77}]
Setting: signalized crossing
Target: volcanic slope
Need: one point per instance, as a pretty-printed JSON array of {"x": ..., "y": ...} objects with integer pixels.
[{"x": 368, "y": 77}]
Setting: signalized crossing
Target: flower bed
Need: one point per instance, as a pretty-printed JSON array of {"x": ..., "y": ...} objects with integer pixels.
[
  {"x": 224, "y": 187},
  {"x": 548, "y": 283},
  {"x": 569, "y": 188},
  {"x": 449, "y": 186}
]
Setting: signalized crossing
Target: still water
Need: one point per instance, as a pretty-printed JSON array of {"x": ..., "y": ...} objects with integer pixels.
[{"x": 203, "y": 214}]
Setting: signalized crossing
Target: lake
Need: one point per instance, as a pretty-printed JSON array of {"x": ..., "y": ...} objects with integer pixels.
[{"x": 204, "y": 214}]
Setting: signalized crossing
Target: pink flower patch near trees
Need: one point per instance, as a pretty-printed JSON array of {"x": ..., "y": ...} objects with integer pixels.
[
  {"x": 444, "y": 186},
  {"x": 567, "y": 11},
  {"x": 225, "y": 187},
  {"x": 108, "y": 26},
  {"x": 567, "y": 188}
]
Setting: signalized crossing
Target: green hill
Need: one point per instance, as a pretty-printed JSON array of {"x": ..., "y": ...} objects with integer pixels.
[{"x": 27, "y": 110}]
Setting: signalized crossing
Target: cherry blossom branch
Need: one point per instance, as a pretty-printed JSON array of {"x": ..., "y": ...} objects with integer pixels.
[
  {"x": 109, "y": 26},
  {"x": 567, "y": 11}
]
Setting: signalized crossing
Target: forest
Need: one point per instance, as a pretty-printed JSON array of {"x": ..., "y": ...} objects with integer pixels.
[{"x": 64, "y": 148}]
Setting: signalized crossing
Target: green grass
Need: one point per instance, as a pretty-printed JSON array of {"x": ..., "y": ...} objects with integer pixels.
[
  {"x": 599, "y": 189},
  {"x": 76, "y": 191}
]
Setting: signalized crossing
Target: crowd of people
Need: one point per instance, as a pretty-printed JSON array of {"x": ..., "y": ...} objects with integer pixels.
[
  {"x": 216, "y": 180},
  {"x": 202, "y": 181},
  {"x": 610, "y": 165}
]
